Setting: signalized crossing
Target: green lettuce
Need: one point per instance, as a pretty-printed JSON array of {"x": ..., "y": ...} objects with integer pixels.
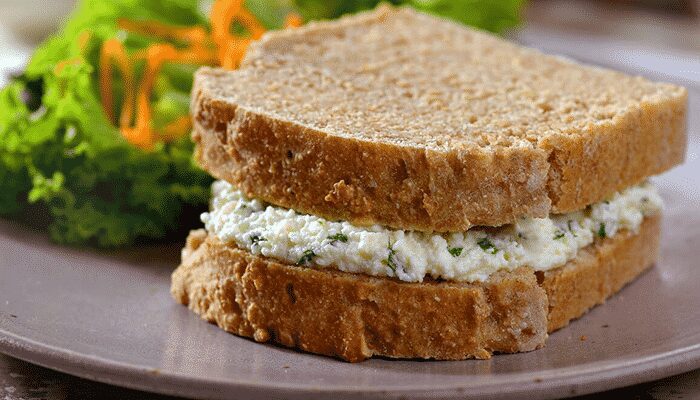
[
  {"x": 491, "y": 15},
  {"x": 63, "y": 165}
]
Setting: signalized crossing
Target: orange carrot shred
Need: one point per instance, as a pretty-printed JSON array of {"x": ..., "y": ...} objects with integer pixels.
[
  {"x": 190, "y": 35},
  {"x": 142, "y": 134},
  {"x": 113, "y": 51},
  {"x": 231, "y": 47},
  {"x": 222, "y": 14},
  {"x": 220, "y": 46},
  {"x": 64, "y": 63},
  {"x": 293, "y": 20},
  {"x": 83, "y": 40},
  {"x": 177, "y": 128},
  {"x": 248, "y": 20}
]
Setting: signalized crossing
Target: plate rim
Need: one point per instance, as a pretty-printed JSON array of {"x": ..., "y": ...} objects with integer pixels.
[
  {"x": 570, "y": 381},
  {"x": 583, "y": 378}
]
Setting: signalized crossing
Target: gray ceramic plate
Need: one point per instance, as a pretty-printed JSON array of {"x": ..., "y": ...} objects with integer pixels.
[{"x": 109, "y": 317}]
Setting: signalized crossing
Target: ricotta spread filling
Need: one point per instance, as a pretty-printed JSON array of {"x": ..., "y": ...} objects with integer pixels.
[{"x": 308, "y": 240}]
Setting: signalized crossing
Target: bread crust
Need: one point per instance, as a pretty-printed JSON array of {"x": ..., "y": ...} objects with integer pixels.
[
  {"x": 354, "y": 317},
  {"x": 367, "y": 182},
  {"x": 298, "y": 165},
  {"x": 598, "y": 272}
]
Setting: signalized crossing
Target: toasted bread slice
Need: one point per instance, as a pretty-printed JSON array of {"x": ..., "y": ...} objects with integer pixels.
[
  {"x": 409, "y": 121},
  {"x": 353, "y": 316}
]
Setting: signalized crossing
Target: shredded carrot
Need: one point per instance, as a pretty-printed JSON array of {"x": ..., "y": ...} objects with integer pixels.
[
  {"x": 113, "y": 52},
  {"x": 64, "y": 63},
  {"x": 142, "y": 133},
  {"x": 191, "y": 35},
  {"x": 83, "y": 40},
  {"x": 248, "y": 20},
  {"x": 231, "y": 47},
  {"x": 191, "y": 55},
  {"x": 233, "y": 52},
  {"x": 293, "y": 20},
  {"x": 198, "y": 51},
  {"x": 218, "y": 47},
  {"x": 176, "y": 129},
  {"x": 222, "y": 14}
]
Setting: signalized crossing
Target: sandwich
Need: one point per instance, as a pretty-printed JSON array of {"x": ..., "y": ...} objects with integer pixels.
[{"x": 394, "y": 184}]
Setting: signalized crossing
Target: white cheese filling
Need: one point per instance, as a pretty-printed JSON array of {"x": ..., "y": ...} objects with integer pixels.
[{"x": 541, "y": 243}]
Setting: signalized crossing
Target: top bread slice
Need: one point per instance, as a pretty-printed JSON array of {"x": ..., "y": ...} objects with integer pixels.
[{"x": 406, "y": 120}]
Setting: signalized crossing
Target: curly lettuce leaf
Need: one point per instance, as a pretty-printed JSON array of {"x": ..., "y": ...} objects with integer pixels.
[
  {"x": 61, "y": 157},
  {"x": 491, "y": 15}
]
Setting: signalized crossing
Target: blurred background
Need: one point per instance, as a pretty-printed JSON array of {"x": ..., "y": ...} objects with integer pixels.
[
  {"x": 656, "y": 38},
  {"x": 661, "y": 34},
  {"x": 630, "y": 28}
]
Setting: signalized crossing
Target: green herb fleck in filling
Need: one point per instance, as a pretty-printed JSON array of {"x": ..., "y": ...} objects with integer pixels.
[
  {"x": 487, "y": 246},
  {"x": 389, "y": 261},
  {"x": 306, "y": 257},
  {"x": 256, "y": 239},
  {"x": 601, "y": 230},
  {"x": 338, "y": 237},
  {"x": 455, "y": 251},
  {"x": 558, "y": 235},
  {"x": 568, "y": 224}
]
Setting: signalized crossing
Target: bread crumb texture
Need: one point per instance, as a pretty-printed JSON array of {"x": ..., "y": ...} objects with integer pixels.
[{"x": 414, "y": 122}]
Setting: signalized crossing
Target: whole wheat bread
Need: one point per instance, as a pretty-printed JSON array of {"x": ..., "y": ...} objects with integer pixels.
[
  {"x": 413, "y": 122},
  {"x": 354, "y": 316}
]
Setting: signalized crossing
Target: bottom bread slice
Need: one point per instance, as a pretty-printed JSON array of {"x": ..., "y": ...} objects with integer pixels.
[{"x": 354, "y": 317}]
